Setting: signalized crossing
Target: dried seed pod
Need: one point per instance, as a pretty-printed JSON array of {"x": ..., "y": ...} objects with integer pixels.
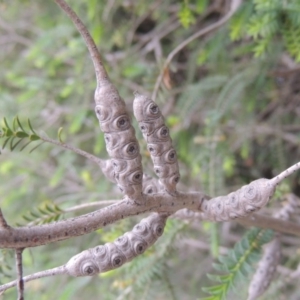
[
  {"x": 123, "y": 249},
  {"x": 121, "y": 143},
  {"x": 151, "y": 185},
  {"x": 159, "y": 143},
  {"x": 108, "y": 169},
  {"x": 288, "y": 209},
  {"x": 131, "y": 245},
  {"x": 82, "y": 264},
  {"x": 265, "y": 270},
  {"x": 240, "y": 203},
  {"x": 271, "y": 256},
  {"x": 244, "y": 201}
]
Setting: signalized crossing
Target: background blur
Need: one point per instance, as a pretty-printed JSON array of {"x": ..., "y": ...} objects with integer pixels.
[{"x": 231, "y": 100}]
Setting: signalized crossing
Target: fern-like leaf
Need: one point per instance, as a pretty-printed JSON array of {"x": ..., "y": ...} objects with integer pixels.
[
  {"x": 291, "y": 35},
  {"x": 6, "y": 258},
  {"x": 237, "y": 263},
  {"x": 186, "y": 16},
  {"x": 47, "y": 212},
  {"x": 16, "y": 131},
  {"x": 237, "y": 23}
]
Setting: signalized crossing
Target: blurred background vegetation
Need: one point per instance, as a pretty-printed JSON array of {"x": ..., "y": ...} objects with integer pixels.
[{"x": 230, "y": 98}]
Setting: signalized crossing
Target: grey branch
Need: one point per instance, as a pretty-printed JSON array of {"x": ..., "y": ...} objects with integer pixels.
[
  {"x": 103, "y": 257},
  {"x": 120, "y": 140},
  {"x": 46, "y": 273},
  {"x": 105, "y": 165},
  {"x": 271, "y": 257},
  {"x": 32, "y": 236},
  {"x": 261, "y": 221},
  {"x": 95, "y": 55},
  {"x": 142, "y": 194},
  {"x": 3, "y": 222},
  {"x": 249, "y": 198},
  {"x": 19, "y": 281}
]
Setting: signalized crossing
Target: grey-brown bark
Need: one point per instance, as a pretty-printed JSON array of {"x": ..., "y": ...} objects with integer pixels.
[{"x": 141, "y": 193}]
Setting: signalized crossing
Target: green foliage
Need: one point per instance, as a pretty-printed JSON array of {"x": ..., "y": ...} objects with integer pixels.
[
  {"x": 237, "y": 23},
  {"x": 221, "y": 97},
  {"x": 265, "y": 21},
  {"x": 17, "y": 131},
  {"x": 188, "y": 13},
  {"x": 6, "y": 260},
  {"x": 238, "y": 263},
  {"x": 186, "y": 16},
  {"x": 291, "y": 35},
  {"x": 45, "y": 213}
]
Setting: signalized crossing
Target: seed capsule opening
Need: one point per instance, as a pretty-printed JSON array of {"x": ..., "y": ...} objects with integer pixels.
[
  {"x": 122, "y": 123},
  {"x": 102, "y": 113},
  {"x": 117, "y": 260},
  {"x": 89, "y": 269},
  {"x": 163, "y": 133},
  {"x": 170, "y": 156},
  {"x": 139, "y": 248},
  {"x": 153, "y": 108}
]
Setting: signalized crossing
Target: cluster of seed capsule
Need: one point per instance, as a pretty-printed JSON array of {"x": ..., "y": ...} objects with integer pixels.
[
  {"x": 266, "y": 268},
  {"x": 159, "y": 142},
  {"x": 240, "y": 203},
  {"x": 125, "y": 248},
  {"x": 121, "y": 143}
]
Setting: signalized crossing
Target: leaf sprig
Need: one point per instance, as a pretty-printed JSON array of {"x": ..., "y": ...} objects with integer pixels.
[
  {"x": 17, "y": 132},
  {"x": 237, "y": 263},
  {"x": 45, "y": 213},
  {"x": 6, "y": 270},
  {"x": 267, "y": 22}
]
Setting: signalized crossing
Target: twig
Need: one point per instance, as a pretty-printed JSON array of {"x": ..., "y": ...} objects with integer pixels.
[
  {"x": 25, "y": 237},
  {"x": 270, "y": 259},
  {"x": 95, "y": 55},
  {"x": 103, "y": 258},
  {"x": 234, "y": 6},
  {"x": 264, "y": 129},
  {"x": 39, "y": 235},
  {"x": 87, "y": 155},
  {"x": 276, "y": 180},
  {"x": 92, "y": 204},
  {"x": 3, "y": 222},
  {"x": 158, "y": 33},
  {"x": 255, "y": 220},
  {"x": 262, "y": 221},
  {"x": 198, "y": 244},
  {"x": 12, "y": 34},
  {"x": 20, "y": 281},
  {"x": 52, "y": 272},
  {"x": 104, "y": 165},
  {"x": 141, "y": 19}
]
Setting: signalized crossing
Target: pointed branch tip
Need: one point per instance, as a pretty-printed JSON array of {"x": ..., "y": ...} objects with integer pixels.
[{"x": 3, "y": 222}]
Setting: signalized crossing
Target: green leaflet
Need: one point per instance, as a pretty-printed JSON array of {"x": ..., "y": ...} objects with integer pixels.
[
  {"x": 16, "y": 131},
  {"x": 45, "y": 213},
  {"x": 186, "y": 15},
  {"x": 237, "y": 264},
  {"x": 265, "y": 21},
  {"x": 291, "y": 35},
  {"x": 6, "y": 258}
]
